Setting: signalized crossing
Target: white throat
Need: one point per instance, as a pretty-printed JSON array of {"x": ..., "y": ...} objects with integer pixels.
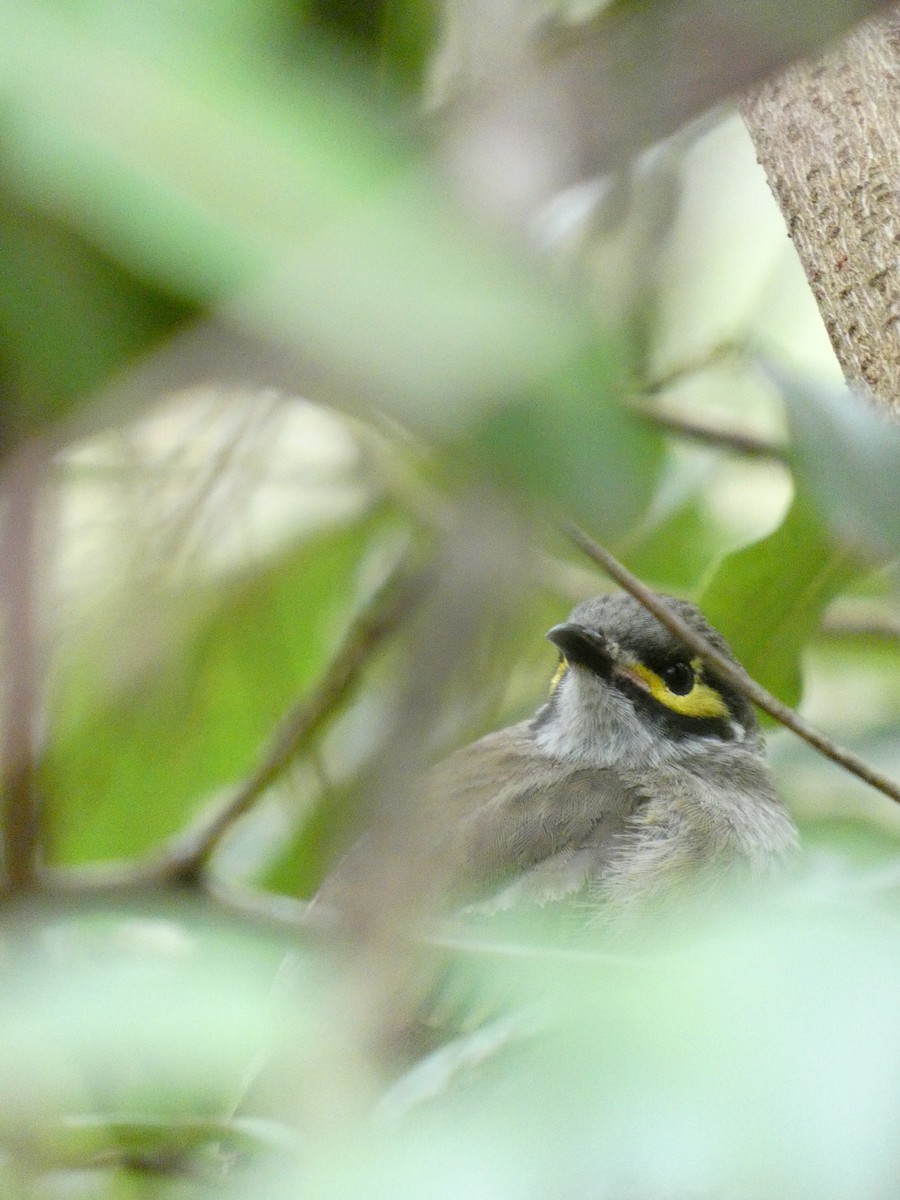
[{"x": 595, "y": 724}]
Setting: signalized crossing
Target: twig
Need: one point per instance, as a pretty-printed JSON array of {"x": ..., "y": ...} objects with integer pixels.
[
  {"x": 20, "y": 658},
  {"x": 734, "y": 441},
  {"x": 181, "y": 863},
  {"x": 729, "y": 353},
  {"x": 151, "y": 886},
  {"x": 733, "y": 673},
  {"x": 188, "y": 854},
  {"x": 860, "y": 620},
  {"x": 157, "y": 1145}
]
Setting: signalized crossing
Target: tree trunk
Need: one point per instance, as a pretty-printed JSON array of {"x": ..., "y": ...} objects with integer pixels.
[{"x": 828, "y": 135}]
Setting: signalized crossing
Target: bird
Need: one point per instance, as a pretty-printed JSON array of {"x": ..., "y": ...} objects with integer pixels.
[{"x": 642, "y": 772}]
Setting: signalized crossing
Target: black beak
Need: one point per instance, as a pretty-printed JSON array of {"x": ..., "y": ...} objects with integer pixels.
[{"x": 583, "y": 647}]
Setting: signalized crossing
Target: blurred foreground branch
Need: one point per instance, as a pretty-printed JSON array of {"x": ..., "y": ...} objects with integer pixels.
[
  {"x": 861, "y": 619},
  {"x": 531, "y": 108},
  {"x": 379, "y": 618},
  {"x": 735, "y": 675}
]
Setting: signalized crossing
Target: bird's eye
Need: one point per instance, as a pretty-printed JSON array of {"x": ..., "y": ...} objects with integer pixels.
[{"x": 678, "y": 678}]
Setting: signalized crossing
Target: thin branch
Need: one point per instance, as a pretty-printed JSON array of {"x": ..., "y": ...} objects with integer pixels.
[
  {"x": 153, "y": 886},
  {"x": 729, "y": 353},
  {"x": 181, "y": 863},
  {"x": 736, "y": 442},
  {"x": 188, "y": 854},
  {"x": 861, "y": 620},
  {"x": 730, "y": 671},
  {"x": 20, "y": 819}
]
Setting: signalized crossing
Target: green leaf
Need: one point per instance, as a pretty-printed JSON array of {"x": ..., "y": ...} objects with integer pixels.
[
  {"x": 340, "y": 244},
  {"x": 123, "y": 770},
  {"x": 187, "y": 162},
  {"x": 768, "y": 598},
  {"x": 307, "y": 855},
  {"x": 847, "y": 456},
  {"x": 676, "y": 550},
  {"x": 209, "y": 172}
]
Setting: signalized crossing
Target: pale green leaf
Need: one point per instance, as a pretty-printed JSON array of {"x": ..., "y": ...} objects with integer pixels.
[
  {"x": 125, "y": 769},
  {"x": 847, "y": 456}
]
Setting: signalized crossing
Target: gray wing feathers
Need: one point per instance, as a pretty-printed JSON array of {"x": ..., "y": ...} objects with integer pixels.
[
  {"x": 498, "y": 809},
  {"x": 506, "y": 807}
]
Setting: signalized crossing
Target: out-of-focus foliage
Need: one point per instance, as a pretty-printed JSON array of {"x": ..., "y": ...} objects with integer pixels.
[
  {"x": 757, "y": 1055},
  {"x": 196, "y": 720},
  {"x": 772, "y": 612},
  {"x": 257, "y": 178},
  {"x": 848, "y": 458}
]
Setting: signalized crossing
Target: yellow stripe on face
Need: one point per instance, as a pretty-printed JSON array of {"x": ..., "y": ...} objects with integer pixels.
[
  {"x": 701, "y": 701},
  {"x": 558, "y": 674}
]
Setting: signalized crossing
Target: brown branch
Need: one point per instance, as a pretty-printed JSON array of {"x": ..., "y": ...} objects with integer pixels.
[
  {"x": 733, "y": 673},
  {"x": 20, "y": 818},
  {"x": 151, "y": 885},
  {"x": 734, "y": 441},
  {"x": 181, "y": 863},
  {"x": 187, "y": 855},
  {"x": 729, "y": 353}
]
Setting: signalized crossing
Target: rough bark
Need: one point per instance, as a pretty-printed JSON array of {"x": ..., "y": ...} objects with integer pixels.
[{"x": 828, "y": 136}]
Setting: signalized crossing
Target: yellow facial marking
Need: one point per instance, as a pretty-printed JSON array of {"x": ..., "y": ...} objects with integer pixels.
[
  {"x": 558, "y": 674},
  {"x": 701, "y": 701}
]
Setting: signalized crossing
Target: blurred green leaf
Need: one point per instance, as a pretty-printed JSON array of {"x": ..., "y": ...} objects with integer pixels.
[
  {"x": 123, "y": 771},
  {"x": 68, "y": 317},
  {"x": 768, "y": 598},
  {"x": 223, "y": 179},
  {"x": 343, "y": 247},
  {"x": 573, "y": 446},
  {"x": 749, "y": 1050},
  {"x": 848, "y": 457},
  {"x": 175, "y": 157},
  {"x": 307, "y": 855},
  {"x": 719, "y": 1067},
  {"x": 409, "y": 31},
  {"x": 676, "y": 550},
  {"x": 156, "y": 1016}
]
